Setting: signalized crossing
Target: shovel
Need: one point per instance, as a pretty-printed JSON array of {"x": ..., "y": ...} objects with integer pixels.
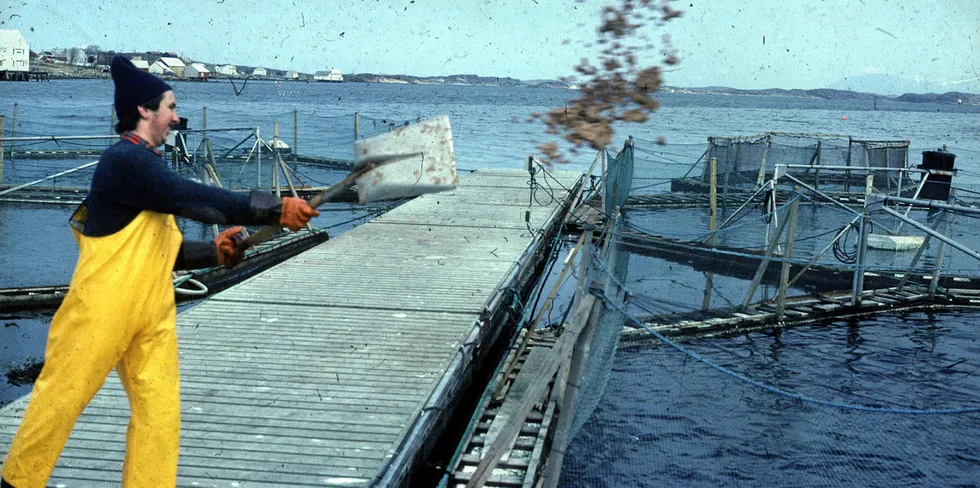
[{"x": 407, "y": 162}]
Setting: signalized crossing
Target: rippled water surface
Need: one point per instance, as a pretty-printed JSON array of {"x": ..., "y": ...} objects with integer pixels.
[{"x": 666, "y": 418}]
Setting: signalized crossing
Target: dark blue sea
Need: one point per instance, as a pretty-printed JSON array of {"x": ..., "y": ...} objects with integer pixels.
[{"x": 666, "y": 418}]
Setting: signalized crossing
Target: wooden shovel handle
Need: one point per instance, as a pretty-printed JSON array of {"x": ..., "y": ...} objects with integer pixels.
[{"x": 324, "y": 196}]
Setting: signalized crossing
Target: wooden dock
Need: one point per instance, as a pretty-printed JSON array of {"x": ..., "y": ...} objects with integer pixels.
[
  {"x": 733, "y": 198},
  {"x": 524, "y": 458},
  {"x": 800, "y": 310},
  {"x": 673, "y": 200},
  {"x": 41, "y": 298},
  {"x": 743, "y": 263},
  {"x": 28, "y": 152},
  {"x": 73, "y": 195},
  {"x": 341, "y": 366}
]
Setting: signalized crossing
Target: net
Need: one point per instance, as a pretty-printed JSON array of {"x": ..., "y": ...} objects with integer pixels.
[
  {"x": 692, "y": 393},
  {"x": 47, "y": 166},
  {"x": 746, "y": 162}
]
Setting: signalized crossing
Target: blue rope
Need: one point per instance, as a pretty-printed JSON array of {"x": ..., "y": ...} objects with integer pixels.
[{"x": 796, "y": 396}]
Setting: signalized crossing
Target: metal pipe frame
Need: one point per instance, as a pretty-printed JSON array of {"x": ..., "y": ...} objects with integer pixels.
[
  {"x": 110, "y": 136},
  {"x": 930, "y": 204},
  {"x": 860, "y": 168},
  {"x": 818, "y": 192},
  {"x": 56, "y": 138},
  {"x": 46, "y": 178}
]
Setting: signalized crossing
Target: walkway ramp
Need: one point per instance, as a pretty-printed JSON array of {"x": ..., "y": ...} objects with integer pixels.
[{"x": 336, "y": 367}]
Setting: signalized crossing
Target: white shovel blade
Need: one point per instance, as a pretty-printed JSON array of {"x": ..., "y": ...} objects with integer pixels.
[{"x": 413, "y": 160}]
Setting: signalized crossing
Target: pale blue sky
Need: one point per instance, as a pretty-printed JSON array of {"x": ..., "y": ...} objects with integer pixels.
[{"x": 810, "y": 44}]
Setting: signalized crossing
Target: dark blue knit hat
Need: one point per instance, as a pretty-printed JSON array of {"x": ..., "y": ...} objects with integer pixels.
[{"x": 133, "y": 85}]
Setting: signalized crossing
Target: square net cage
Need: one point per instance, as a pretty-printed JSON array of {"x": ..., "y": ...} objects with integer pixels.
[{"x": 820, "y": 159}]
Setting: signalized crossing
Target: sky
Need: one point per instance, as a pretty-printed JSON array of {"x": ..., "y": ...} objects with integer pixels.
[{"x": 738, "y": 43}]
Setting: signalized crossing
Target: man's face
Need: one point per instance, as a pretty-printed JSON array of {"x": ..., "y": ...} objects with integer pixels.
[{"x": 161, "y": 119}]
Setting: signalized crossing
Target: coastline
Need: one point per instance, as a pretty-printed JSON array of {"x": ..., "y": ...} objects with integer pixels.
[{"x": 66, "y": 72}]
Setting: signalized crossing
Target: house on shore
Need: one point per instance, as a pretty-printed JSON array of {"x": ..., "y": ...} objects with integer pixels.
[
  {"x": 175, "y": 64},
  {"x": 226, "y": 70},
  {"x": 15, "y": 54},
  {"x": 260, "y": 72},
  {"x": 334, "y": 75},
  {"x": 197, "y": 71},
  {"x": 161, "y": 68}
]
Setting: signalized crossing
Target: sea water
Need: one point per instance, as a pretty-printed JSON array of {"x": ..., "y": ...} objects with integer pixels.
[{"x": 666, "y": 419}]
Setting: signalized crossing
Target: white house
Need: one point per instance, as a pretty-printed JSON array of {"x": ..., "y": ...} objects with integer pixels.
[
  {"x": 226, "y": 69},
  {"x": 77, "y": 57},
  {"x": 197, "y": 71},
  {"x": 175, "y": 65},
  {"x": 15, "y": 54},
  {"x": 260, "y": 72},
  {"x": 333, "y": 75},
  {"x": 292, "y": 75},
  {"x": 141, "y": 64},
  {"x": 161, "y": 68}
]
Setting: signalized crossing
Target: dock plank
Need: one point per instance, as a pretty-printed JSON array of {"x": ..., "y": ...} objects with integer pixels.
[{"x": 313, "y": 372}]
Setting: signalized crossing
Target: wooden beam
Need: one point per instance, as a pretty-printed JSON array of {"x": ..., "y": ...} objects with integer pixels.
[{"x": 528, "y": 387}]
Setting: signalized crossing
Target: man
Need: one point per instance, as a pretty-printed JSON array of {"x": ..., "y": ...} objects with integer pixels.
[{"x": 119, "y": 311}]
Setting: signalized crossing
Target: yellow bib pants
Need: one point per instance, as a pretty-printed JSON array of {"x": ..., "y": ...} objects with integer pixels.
[{"x": 119, "y": 313}]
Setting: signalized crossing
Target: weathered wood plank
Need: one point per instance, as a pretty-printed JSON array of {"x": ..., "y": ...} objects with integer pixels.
[{"x": 313, "y": 372}]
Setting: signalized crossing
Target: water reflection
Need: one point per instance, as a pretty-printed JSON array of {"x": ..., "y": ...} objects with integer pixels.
[{"x": 712, "y": 429}]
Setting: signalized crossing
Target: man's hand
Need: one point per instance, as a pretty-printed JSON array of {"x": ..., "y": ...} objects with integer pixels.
[
  {"x": 296, "y": 213},
  {"x": 227, "y": 246}
]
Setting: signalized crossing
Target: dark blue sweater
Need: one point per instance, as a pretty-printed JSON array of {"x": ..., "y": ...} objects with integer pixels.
[{"x": 131, "y": 177}]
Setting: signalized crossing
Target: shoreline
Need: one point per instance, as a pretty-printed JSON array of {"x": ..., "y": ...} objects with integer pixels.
[{"x": 59, "y": 72}]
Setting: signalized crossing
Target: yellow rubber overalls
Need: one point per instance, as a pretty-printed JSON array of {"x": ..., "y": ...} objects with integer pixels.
[{"x": 119, "y": 313}]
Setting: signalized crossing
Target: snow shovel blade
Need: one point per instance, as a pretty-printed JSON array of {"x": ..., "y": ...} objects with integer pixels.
[{"x": 410, "y": 161}]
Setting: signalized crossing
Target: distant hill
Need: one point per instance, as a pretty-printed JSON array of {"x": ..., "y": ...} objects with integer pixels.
[
  {"x": 948, "y": 97},
  {"x": 431, "y": 80},
  {"x": 833, "y": 94},
  {"x": 896, "y": 85},
  {"x": 453, "y": 80},
  {"x": 825, "y": 93}
]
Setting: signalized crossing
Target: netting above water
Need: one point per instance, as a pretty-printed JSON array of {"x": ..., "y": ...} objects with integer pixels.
[
  {"x": 747, "y": 161},
  {"x": 877, "y": 401},
  {"x": 44, "y": 177}
]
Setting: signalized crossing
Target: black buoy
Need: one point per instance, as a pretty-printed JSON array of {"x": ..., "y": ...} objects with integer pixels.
[{"x": 938, "y": 185}]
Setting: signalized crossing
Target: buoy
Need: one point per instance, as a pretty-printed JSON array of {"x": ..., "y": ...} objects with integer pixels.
[{"x": 843, "y": 117}]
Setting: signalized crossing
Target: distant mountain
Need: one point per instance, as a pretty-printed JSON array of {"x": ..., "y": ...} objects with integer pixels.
[
  {"x": 948, "y": 97},
  {"x": 897, "y": 85},
  {"x": 834, "y": 94},
  {"x": 453, "y": 80},
  {"x": 431, "y": 80},
  {"x": 825, "y": 93}
]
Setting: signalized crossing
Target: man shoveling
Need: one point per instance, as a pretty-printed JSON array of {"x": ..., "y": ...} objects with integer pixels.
[{"x": 120, "y": 311}]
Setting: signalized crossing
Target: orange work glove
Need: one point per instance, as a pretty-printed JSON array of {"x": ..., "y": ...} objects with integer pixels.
[
  {"x": 296, "y": 213},
  {"x": 227, "y": 246}
]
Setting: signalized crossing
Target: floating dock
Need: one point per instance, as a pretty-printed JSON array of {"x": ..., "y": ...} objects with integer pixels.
[
  {"x": 215, "y": 279},
  {"x": 73, "y": 196},
  {"x": 743, "y": 263},
  {"x": 802, "y": 310},
  {"x": 344, "y": 365}
]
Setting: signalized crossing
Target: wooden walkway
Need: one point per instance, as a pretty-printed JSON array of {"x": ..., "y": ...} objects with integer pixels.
[
  {"x": 735, "y": 198},
  {"x": 802, "y": 309},
  {"x": 337, "y": 367},
  {"x": 73, "y": 196},
  {"x": 523, "y": 460},
  {"x": 278, "y": 249}
]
